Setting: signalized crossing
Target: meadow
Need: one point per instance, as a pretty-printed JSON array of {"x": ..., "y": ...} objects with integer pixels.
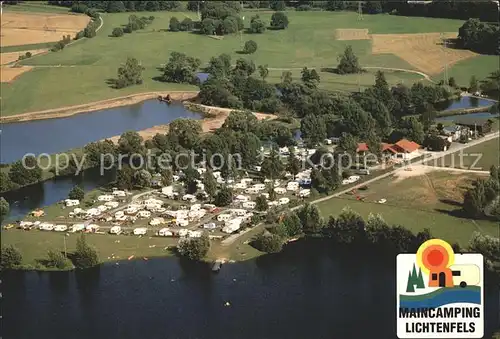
[
  {"x": 479, "y": 157},
  {"x": 430, "y": 201},
  {"x": 78, "y": 74}
]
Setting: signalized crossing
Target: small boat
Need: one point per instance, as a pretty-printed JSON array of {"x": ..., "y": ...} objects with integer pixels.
[
  {"x": 216, "y": 266},
  {"x": 131, "y": 257}
]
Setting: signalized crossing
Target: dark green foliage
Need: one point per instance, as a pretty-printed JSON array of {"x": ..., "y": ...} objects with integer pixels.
[
  {"x": 479, "y": 36},
  {"x": 174, "y": 25},
  {"x": 261, "y": 203},
  {"x": 219, "y": 66},
  {"x": 101, "y": 149},
  {"x": 272, "y": 167},
  {"x": 310, "y": 77},
  {"x": 489, "y": 247},
  {"x": 27, "y": 173},
  {"x": 125, "y": 178},
  {"x": 57, "y": 260},
  {"x": 5, "y": 183},
  {"x": 210, "y": 183},
  {"x": 10, "y": 257},
  {"x": 277, "y": 5},
  {"x": 247, "y": 67},
  {"x": 311, "y": 220},
  {"x": 348, "y": 62},
  {"x": 224, "y": 197},
  {"x": 257, "y": 25},
  {"x": 186, "y": 25},
  {"x": 279, "y": 20},
  {"x": 129, "y": 74},
  {"x": 85, "y": 256},
  {"x": 77, "y": 193},
  {"x": 267, "y": 242},
  {"x": 292, "y": 224},
  {"x": 117, "y": 32},
  {"x": 194, "y": 248},
  {"x": 181, "y": 68},
  {"x": 4, "y": 208},
  {"x": 250, "y": 47}
]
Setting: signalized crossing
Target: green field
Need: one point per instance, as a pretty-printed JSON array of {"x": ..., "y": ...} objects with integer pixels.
[
  {"x": 479, "y": 157},
  {"x": 34, "y": 244},
  {"x": 308, "y": 41},
  {"x": 431, "y": 201},
  {"x": 480, "y": 67},
  {"x": 36, "y": 7}
]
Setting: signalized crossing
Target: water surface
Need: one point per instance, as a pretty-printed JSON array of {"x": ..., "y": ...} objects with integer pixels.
[{"x": 62, "y": 134}]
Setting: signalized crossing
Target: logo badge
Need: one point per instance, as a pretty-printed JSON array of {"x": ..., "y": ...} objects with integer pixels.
[{"x": 439, "y": 294}]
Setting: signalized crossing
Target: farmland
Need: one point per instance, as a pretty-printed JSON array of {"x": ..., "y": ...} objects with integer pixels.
[{"x": 311, "y": 40}]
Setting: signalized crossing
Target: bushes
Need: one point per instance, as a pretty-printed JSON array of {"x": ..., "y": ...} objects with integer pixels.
[
  {"x": 85, "y": 256},
  {"x": 117, "y": 32},
  {"x": 174, "y": 25},
  {"x": 279, "y": 20},
  {"x": 250, "y": 47},
  {"x": 194, "y": 248},
  {"x": 57, "y": 260},
  {"x": 135, "y": 23},
  {"x": 77, "y": 193},
  {"x": 61, "y": 43},
  {"x": 186, "y": 25},
  {"x": 25, "y": 56},
  {"x": 10, "y": 257}
]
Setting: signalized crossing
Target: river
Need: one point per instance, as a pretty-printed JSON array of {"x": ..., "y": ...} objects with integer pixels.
[
  {"x": 59, "y": 135},
  {"x": 310, "y": 290}
]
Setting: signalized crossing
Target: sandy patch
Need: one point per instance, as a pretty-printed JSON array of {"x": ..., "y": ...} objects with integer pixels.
[
  {"x": 423, "y": 51},
  {"x": 95, "y": 106},
  {"x": 351, "y": 34},
  {"x": 24, "y": 29},
  {"x": 411, "y": 171},
  {"x": 7, "y": 58},
  {"x": 7, "y": 74}
]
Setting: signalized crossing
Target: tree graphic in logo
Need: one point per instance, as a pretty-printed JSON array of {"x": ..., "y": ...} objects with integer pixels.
[{"x": 414, "y": 280}]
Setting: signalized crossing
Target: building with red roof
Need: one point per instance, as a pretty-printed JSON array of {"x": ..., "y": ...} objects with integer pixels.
[{"x": 403, "y": 149}]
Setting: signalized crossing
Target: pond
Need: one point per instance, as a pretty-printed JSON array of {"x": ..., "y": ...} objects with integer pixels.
[
  {"x": 464, "y": 102},
  {"x": 312, "y": 289},
  {"x": 59, "y": 135}
]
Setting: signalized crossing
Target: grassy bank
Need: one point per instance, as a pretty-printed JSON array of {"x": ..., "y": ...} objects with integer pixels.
[
  {"x": 479, "y": 157},
  {"x": 308, "y": 41}
]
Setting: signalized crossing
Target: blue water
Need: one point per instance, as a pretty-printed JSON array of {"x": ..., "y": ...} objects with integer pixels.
[
  {"x": 468, "y": 102},
  {"x": 448, "y": 296},
  {"x": 59, "y": 135}
]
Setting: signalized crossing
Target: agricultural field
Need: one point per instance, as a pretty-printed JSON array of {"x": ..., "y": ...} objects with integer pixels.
[
  {"x": 431, "y": 200},
  {"x": 313, "y": 39}
]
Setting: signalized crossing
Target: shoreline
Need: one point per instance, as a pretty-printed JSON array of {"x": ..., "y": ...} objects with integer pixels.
[{"x": 63, "y": 112}]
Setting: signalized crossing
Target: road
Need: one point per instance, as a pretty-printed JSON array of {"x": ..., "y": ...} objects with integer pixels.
[{"x": 432, "y": 156}]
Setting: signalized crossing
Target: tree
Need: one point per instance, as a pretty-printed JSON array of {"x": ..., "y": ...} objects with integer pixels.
[
  {"x": 373, "y": 7},
  {"x": 268, "y": 242},
  {"x": 27, "y": 173},
  {"x": 286, "y": 77},
  {"x": 85, "y": 256},
  {"x": 250, "y": 47},
  {"x": 180, "y": 68},
  {"x": 415, "y": 130},
  {"x": 475, "y": 200},
  {"x": 10, "y": 257},
  {"x": 5, "y": 182},
  {"x": 261, "y": 203},
  {"x": 57, "y": 260},
  {"x": 247, "y": 67},
  {"x": 129, "y": 74},
  {"x": 4, "y": 208},
  {"x": 142, "y": 178},
  {"x": 185, "y": 132},
  {"x": 194, "y": 248},
  {"x": 115, "y": 6},
  {"x": 186, "y": 25},
  {"x": 77, "y": 193},
  {"x": 219, "y": 66},
  {"x": 313, "y": 128},
  {"x": 452, "y": 82},
  {"x": 277, "y": 5},
  {"x": 349, "y": 226},
  {"x": 125, "y": 178},
  {"x": 210, "y": 183},
  {"x": 272, "y": 166},
  {"x": 374, "y": 144},
  {"x": 263, "y": 71},
  {"x": 130, "y": 143},
  {"x": 348, "y": 62},
  {"x": 257, "y": 26},
  {"x": 208, "y": 26},
  {"x": 95, "y": 152},
  {"x": 473, "y": 84},
  {"x": 310, "y": 77},
  {"x": 311, "y": 220},
  {"x": 348, "y": 143},
  {"x": 224, "y": 197},
  {"x": 293, "y": 225},
  {"x": 293, "y": 165},
  {"x": 174, "y": 25},
  {"x": 381, "y": 88},
  {"x": 117, "y": 32},
  {"x": 279, "y": 20},
  {"x": 488, "y": 246}
]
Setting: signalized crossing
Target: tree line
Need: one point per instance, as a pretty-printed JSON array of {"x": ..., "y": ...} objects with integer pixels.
[
  {"x": 84, "y": 256},
  {"x": 482, "y": 200},
  {"x": 350, "y": 228}
]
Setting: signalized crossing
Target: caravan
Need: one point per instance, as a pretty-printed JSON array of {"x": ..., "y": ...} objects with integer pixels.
[
  {"x": 165, "y": 232},
  {"x": 115, "y": 230},
  {"x": 60, "y": 228},
  {"x": 77, "y": 227},
  {"x": 249, "y": 205},
  {"x": 280, "y": 190},
  {"x": 140, "y": 231},
  {"x": 71, "y": 202},
  {"x": 283, "y": 201}
]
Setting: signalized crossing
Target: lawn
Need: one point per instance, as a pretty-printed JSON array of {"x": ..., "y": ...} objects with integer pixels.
[
  {"x": 308, "y": 41},
  {"x": 35, "y": 244},
  {"x": 431, "y": 201},
  {"x": 479, "y": 157},
  {"x": 36, "y": 7},
  {"x": 480, "y": 66}
]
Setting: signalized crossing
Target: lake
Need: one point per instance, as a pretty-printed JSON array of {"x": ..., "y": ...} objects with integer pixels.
[
  {"x": 310, "y": 290},
  {"x": 60, "y": 135},
  {"x": 463, "y": 102}
]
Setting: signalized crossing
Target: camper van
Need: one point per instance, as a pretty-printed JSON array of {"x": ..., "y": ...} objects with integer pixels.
[
  {"x": 60, "y": 228},
  {"x": 144, "y": 214},
  {"x": 111, "y": 204},
  {"x": 292, "y": 186},
  {"x": 240, "y": 185},
  {"x": 251, "y": 190},
  {"x": 71, "y": 202},
  {"x": 189, "y": 197},
  {"x": 182, "y": 222},
  {"x": 224, "y": 217},
  {"x": 119, "y": 193},
  {"x": 164, "y": 232},
  {"x": 46, "y": 226},
  {"x": 304, "y": 193},
  {"x": 115, "y": 230},
  {"x": 92, "y": 228},
  {"x": 249, "y": 205},
  {"x": 77, "y": 228},
  {"x": 105, "y": 197},
  {"x": 465, "y": 275},
  {"x": 140, "y": 231},
  {"x": 280, "y": 190},
  {"x": 283, "y": 201},
  {"x": 259, "y": 187},
  {"x": 242, "y": 198}
]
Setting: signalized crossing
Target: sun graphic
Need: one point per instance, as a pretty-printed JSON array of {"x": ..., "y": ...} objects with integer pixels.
[{"x": 435, "y": 254}]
